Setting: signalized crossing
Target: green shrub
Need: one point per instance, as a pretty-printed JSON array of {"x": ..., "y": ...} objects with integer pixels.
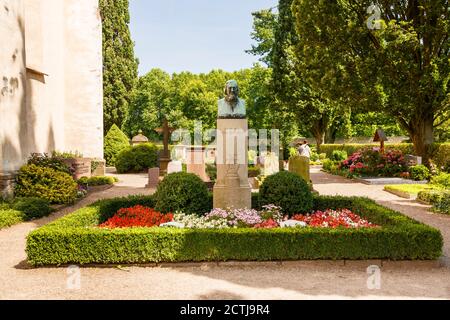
[
  {"x": 137, "y": 158},
  {"x": 211, "y": 171},
  {"x": 441, "y": 156},
  {"x": 67, "y": 155},
  {"x": 314, "y": 157},
  {"x": 75, "y": 239},
  {"x": 328, "y": 165},
  {"x": 442, "y": 180},
  {"x": 443, "y": 205},
  {"x": 322, "y": 156},
  {"x": 432, "y": 196},
  {"x": 115, "y": 141},
  {"x": 10, "y": 217},
  {"x": 32, "y": 208},
  {"x": 419, "y": 173},
  {"x": 288, "y": 191},
  {"x": 97, "y": 181},
  {"x": 405, "y": 148},
  {"x": 339, "y": 155},
  {"x": 46, "y": 183},
  {"x": 46, "y": 161},
  {"x": 184, "y": 192},
  {"x": 254, "y": 172}
]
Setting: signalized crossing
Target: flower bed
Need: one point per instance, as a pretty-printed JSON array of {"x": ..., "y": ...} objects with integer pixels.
[
  {"x": 371, "y": 162},
  {"x": 269, "y": 217},
  {"x": 77, "y": 238},
  {"x": 137, "y": 216},
  {"x": 342, "y": 218}
]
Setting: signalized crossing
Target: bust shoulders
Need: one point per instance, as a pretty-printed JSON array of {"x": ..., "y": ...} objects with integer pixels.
[{"x": 226, "y": 111}]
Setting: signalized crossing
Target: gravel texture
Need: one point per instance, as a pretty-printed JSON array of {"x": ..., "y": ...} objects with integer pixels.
[{"x": 296, "y": 280}]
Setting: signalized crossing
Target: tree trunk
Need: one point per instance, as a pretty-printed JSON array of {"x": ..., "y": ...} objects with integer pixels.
[
  {"x": 330, "y": 135},
  {"x": 422, "y": 136},
  {"x": 318, "y": 132}
]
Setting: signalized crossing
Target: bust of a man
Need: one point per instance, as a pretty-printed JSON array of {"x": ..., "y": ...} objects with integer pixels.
[{"x": 232, "y": 107}]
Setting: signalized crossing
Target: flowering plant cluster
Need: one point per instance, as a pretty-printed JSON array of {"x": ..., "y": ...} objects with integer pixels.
[
  {"x": 137, "y": 216},
  {"x": 196, "y": 222},
  {"x": 334, "y": 219},
  {"x": 371, "y": 162},
  {"x": 269, "y": 217}
]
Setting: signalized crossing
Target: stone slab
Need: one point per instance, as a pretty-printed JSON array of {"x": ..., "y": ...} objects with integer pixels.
[
  {"x": 388, "y": 181},
  {"x": 174, "y": 167},
  {"x": 153, "y": 178}
]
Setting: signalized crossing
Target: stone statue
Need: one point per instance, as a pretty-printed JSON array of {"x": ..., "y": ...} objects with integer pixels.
[{"x": 232, "y": 107}]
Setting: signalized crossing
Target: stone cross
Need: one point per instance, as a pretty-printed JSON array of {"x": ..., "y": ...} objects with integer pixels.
[{"x": 165, "y": 157}]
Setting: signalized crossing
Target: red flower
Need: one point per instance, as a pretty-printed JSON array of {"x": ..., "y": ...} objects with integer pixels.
[
  {"x": 137, "y": 216},
  {"x": 268, "y": 224},
  {"x": 334, "y": 219}
]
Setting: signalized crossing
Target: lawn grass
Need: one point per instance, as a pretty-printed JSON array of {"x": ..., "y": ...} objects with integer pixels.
[{"x": 408, "y": 190}]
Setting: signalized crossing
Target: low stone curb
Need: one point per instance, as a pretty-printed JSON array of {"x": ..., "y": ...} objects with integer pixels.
[
  {"x": 401, "y": 194},
  {"x": 383, "y": 264}
]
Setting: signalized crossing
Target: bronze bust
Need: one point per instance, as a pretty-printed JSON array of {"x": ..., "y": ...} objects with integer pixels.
[{"x": 232, "y": 107}]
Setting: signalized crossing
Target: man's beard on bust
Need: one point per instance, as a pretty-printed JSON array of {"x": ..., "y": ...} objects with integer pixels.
[{"x": 232, "y": 99}]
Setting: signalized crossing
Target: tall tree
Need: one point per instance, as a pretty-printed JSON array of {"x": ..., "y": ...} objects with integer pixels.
[
  {"x": 308, "y": 105},
  {"x": 149, "y": 103},
  {"x": 389, "y": 56},
  {"x": 264, "y": 23},
  {"x": 120, "y": 67}
]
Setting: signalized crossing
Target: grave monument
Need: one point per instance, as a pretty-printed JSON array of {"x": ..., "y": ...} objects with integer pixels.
[{"x": 232, "y": 188}]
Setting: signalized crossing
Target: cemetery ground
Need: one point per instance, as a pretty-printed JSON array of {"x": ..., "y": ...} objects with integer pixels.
[{"x": 293, "y": 280}]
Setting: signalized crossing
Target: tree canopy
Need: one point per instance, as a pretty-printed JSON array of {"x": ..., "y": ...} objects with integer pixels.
[
  {"x": 388, "y": 56},
  {"x": 120, "y": 67}
]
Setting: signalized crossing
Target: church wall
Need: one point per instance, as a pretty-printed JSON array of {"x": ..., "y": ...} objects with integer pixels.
[
  {"x": 14, "y": 129},
  {"x": 50, "y": 79},
  {"x": 84, "y": 80},
  {"x": 51, "y": 95}
]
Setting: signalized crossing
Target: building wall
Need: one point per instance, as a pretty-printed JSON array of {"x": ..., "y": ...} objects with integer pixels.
[
  {"x": 14, "y": 129},
  {"x": 50, "y": 79}
]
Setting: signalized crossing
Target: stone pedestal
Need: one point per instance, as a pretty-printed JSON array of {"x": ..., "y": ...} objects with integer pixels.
[
  {"x": 80, "y": 166},
  {"x": 196, "y": 162},
  {"x": 7, "y": 184},
  {"x": 98, "y": 167},
  {"x": 232, "y": 188}
]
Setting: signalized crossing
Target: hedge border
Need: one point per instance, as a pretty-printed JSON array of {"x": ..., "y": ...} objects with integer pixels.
[{"x": 75, "y": 239}]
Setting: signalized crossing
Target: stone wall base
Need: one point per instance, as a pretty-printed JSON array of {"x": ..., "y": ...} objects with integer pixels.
[{"x": 7, "y": 184}]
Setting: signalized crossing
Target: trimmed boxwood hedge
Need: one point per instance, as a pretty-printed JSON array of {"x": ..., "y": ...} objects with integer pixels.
[{"x": 76, "y": 239}]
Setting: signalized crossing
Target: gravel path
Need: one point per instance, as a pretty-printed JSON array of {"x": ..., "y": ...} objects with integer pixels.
[{"x": 309, "y": 280}]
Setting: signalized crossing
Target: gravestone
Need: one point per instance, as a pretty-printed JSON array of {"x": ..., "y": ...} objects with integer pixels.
[
  {"x": 196, "y": 162},
  {"x": 300, "y": 165},
  {"x": 164, "y": 159},
  {"x": 174, "y": 167},
  {"x": 412, "y": 160},
  {"x": 153, "y": 178},
  {"x": 271, "y": 164},
  {"x": 232, "y": 188}
]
